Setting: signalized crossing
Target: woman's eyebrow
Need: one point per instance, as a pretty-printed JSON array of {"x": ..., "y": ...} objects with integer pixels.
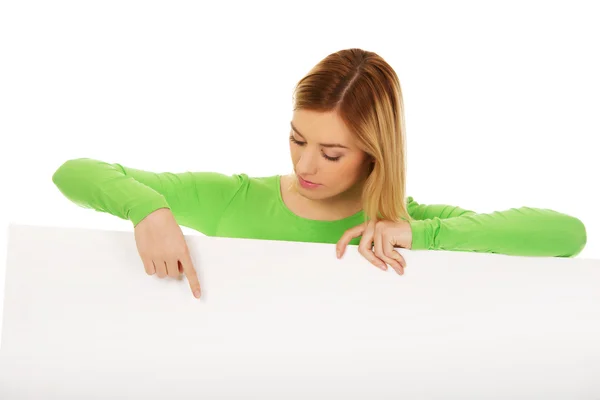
[{"x": 322, "y": 144}]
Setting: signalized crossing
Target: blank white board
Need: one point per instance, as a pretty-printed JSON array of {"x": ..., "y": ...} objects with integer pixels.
[{"x": 287, "y": 320}]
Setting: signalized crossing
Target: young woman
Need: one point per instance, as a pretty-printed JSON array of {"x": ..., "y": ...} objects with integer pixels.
[{"x": 347, "y": 144}]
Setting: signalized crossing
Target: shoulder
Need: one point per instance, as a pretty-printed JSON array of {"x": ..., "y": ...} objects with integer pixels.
[{"x": 255, "y": 183}]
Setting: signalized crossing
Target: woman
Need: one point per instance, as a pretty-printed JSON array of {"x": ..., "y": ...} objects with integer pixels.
[{"x": 347, "y": 142}]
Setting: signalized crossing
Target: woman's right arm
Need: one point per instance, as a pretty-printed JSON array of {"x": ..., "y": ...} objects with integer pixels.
[{"x": 196, "y": 199}]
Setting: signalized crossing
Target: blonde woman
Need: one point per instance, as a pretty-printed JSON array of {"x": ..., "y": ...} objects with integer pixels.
[{"x": 348, "y": 148}]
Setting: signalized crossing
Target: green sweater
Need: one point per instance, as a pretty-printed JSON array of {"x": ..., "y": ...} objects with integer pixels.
[{"x": 239, "y": 206}]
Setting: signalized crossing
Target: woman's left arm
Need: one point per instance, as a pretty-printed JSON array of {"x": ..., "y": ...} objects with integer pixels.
[
  {"x": 521, "y": 231},
  {"x": 524, "y": 231}
]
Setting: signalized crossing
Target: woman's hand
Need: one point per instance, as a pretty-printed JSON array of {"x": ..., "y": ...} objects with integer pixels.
[
  {"x": 383, "y": 236},
  {"x": 163, "y": 249}
]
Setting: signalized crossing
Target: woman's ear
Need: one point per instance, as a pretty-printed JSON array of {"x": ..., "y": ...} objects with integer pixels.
[{"x": 371, "y": 165}]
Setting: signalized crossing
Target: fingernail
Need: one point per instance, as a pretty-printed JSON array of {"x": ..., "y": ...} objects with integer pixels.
[
  {"x": 337, "y": 253},
  {"x": 197, "y": 293}
]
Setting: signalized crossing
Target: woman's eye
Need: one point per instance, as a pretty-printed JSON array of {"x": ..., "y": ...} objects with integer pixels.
[
  {"x": 299, "y": 143},
  {"x": 293, "y": 139}
]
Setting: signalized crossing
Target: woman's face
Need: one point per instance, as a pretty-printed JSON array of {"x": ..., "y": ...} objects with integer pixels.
[{"x": 324, "y": 152}]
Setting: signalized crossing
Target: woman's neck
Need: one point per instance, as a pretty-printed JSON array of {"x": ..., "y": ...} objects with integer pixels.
[{"x": 333, "y": 208}]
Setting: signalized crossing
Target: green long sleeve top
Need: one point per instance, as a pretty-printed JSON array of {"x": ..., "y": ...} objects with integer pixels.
[{"x": 239, "y": 206}]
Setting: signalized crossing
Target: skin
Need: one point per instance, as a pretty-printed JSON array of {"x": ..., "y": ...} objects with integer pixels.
[
  {"x": 341, "y": 172},
  {"x": 338, "y": 195}
]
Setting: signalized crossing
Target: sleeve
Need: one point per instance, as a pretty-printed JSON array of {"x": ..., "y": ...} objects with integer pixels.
[
  {"x": 196, "y": 199},
  {"x": 443, "y": 211},
  {"x": 521, "y": 231}
]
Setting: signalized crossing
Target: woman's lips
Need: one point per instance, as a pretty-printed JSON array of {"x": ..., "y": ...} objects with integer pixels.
[{"x": 307, "y": 184}]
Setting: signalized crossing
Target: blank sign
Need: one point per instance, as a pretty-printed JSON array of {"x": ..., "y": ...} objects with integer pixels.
[{"x": 288, "y": 320}]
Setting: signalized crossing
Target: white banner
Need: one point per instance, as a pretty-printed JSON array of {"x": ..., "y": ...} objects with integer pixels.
[{"x": 287, "y": 320}]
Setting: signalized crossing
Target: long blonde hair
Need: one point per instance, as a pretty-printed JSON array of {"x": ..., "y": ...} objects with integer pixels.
[{"x": 365, "y": 92}]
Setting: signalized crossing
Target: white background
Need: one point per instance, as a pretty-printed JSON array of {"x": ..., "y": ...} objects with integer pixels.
[{"x": 501, "y": 99}]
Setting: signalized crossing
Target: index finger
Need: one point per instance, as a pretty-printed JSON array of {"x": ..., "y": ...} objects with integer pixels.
[
  {"x": 348, "y": 236},
  {"x": 191, "y": 275}
]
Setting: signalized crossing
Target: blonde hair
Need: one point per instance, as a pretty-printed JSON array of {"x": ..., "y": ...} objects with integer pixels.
[{"x": 365, "y": 92}]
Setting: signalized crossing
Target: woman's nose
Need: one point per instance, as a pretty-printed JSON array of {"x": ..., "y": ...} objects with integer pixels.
[{"x": 307, "y": 164}]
